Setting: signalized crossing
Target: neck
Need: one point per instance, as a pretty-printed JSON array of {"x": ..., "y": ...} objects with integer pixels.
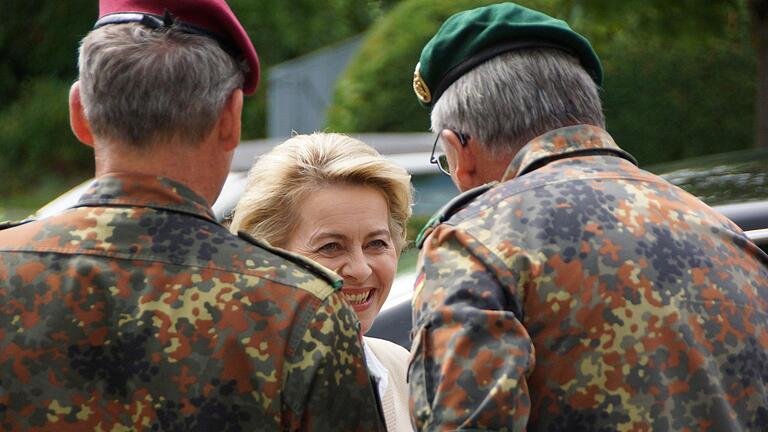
[
  {"x": 490, "y": 168},
  {"x": 196, "y": 167},
  {"x": 494, "y": 170}
]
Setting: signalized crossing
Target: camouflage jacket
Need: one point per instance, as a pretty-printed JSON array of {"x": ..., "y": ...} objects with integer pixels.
[
  {"x": 583, "y": 293},
  {"x": 136, "y": 310}
]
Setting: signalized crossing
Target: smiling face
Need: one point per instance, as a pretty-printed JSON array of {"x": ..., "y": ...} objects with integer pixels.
[{"x": 346, "y": 228}]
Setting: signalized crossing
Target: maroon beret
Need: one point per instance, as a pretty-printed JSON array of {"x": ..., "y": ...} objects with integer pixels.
[{"x": 212, "y": 18}]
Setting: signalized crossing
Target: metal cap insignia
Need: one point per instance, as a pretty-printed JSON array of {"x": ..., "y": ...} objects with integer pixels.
[{"x": 420, "y": 86}]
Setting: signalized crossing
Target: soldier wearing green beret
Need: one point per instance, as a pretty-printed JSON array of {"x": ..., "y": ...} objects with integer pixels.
[{"x": 567, "y": 289}]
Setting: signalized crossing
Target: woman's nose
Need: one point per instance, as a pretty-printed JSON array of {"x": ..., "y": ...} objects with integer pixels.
[{"x": 356, "y": 267}]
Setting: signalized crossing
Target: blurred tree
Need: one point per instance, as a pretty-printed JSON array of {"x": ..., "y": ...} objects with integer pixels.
[
  {"x": 39, "y": 38},
  {"x": 679, "y": 78},
  {"x": 675, "y": 81},
  {"x": 668, "y": 65},
  {"x": 38, "y": 45},
  {"x": 35, "y": 141},
  {"x": 759, "y": 14},
  {"x": 374, "y": 93},
  {"x": 689, "y": 24},
  {"x": 684, "y": 20}
]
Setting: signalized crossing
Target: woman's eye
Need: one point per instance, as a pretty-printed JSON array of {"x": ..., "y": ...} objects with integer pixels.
[
  {"x": 378, "y": 244},
  {"x": 330, "y": 248}
]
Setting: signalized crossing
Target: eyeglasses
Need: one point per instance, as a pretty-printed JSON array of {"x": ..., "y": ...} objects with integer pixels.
[{"x": 440, "y": 159}]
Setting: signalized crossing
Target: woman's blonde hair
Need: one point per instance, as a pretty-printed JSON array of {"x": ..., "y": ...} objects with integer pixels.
[{"x": 280, "y": 179}]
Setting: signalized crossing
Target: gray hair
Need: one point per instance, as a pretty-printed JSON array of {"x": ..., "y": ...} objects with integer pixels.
[
  {"x": 517, "y": 96},
  {"x": 140, "y": 85}
]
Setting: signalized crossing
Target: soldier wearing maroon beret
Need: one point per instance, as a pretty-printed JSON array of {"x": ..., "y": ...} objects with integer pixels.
[
  {"x": 567, "y": 289},
  {"x": 135, "y": 309}
]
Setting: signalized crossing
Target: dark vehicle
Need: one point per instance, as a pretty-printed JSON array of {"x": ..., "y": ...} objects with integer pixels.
[{"x": 735, "y": 184}]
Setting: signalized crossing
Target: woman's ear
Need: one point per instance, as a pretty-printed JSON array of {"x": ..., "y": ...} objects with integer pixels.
[{"x": 78, "y": 122}]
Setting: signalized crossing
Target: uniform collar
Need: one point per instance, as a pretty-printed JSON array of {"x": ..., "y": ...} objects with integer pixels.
[
  {"x": 571, "y": 141},
  {"x": 139, "y": 190}
]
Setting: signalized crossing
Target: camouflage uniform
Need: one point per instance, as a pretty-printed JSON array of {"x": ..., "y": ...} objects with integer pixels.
[
  {"x": 583, "y": 293},
  {"x": 136, "y": 310}
]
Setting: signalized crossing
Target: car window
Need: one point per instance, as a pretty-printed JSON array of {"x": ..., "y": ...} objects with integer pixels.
[
  {"x": 230, "y": 193},
  {"x": 726, "y": 178},
  {"x": 759, "y": 237},
  {"x": 431, "y": 191}
]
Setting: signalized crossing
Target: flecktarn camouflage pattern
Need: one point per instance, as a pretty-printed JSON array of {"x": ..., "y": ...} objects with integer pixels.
[
  {"x": 135, "y": 310},
  {"x": 586, "y": 294}
]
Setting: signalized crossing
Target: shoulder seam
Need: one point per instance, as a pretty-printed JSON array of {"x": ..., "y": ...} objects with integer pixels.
[
  {"x": 305, "y": 263},
  {"x": 520, "y": 313},
  {"x": 475, "y": 212},
  {"x": 126, "y": 257}
]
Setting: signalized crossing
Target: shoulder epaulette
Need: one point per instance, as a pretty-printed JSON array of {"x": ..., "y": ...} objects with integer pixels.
[
  {"x": 327, "y": 275},
  {"x": 11, "y": 224},
  {"x": 451, "y": 208}
]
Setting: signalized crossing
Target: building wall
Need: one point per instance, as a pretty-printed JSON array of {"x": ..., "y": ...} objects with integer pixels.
[{"x": 299, "y": 91}]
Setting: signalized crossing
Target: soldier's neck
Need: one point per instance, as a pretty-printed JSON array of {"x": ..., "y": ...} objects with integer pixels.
[{"x": 196, "y": 167}]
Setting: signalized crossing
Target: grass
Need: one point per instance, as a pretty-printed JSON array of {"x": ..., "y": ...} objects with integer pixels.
[
  {"x": 407, "y": 261},
  {"x": 19, "y": 204}
]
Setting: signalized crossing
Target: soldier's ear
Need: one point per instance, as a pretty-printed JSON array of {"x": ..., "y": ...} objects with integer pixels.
[
  {"x": 230, "y": 121},
  {"x": 78, "y": 122},
  {"x": 464, "y": 158}
]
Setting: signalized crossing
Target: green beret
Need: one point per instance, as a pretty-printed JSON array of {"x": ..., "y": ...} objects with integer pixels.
[{"x": 472, "y": 37}]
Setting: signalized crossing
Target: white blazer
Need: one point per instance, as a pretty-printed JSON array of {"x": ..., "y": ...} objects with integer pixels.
[{"x": 394, "y": 398}]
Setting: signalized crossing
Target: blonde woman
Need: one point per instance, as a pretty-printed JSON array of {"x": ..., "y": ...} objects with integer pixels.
[{"x": 337, "y": 201}]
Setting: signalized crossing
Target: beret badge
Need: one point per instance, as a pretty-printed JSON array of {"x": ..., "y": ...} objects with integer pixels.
[{"x": 420, "y": 86}]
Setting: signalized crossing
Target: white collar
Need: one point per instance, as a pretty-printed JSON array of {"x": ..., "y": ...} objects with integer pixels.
[{"x": 376, "y": 369}]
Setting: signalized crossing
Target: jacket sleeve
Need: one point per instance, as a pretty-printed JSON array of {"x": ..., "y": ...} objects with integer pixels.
[
  {"x": 327, "y": 384},
  {"x": 470, "y": 352}
]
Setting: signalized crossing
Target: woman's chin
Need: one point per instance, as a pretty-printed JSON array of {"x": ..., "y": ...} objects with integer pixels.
[{"x": 366, "y": 313}]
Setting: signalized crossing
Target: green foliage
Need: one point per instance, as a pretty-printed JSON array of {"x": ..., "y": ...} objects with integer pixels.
[
  {"x": 686, "y": 21},
  {"x": 374, "y": 93},
  {"x": 35, "y": 140},
  {"x": 679, "y": 77},
  {"x": 415, "y": 224},
  {"x": 38, "y": 45},
  {"x": 672, "y": 102},
  {"x": 40, "y": 38},
  {"x": 19, "y": 206},
  {"x": 407, "y": 261}
]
